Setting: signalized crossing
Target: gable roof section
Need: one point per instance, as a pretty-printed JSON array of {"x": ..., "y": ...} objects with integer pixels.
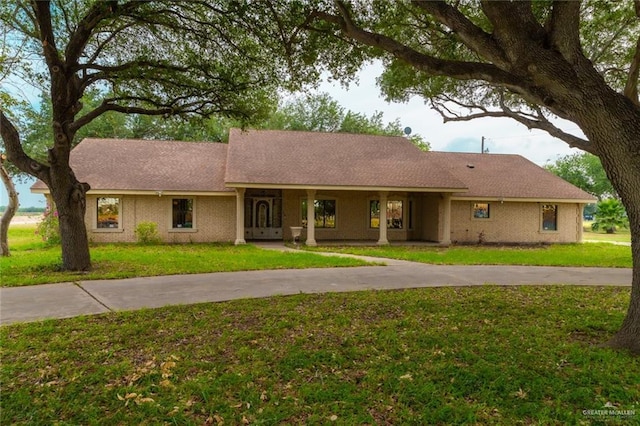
[
  {"x": 507, "y": 176},
  {"x": 149, "y": 165},
  {"x": 276, "y": 158}
]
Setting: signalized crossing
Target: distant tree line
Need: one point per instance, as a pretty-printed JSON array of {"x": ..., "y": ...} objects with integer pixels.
[{"x": 25, "y": 209}]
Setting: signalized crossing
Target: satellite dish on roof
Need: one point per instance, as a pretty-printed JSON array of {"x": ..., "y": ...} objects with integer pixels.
[{"x": 407, "y": 131}]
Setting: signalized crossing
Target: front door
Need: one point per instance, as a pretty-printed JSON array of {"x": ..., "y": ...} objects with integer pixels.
[{"x": 265, "y": 217}]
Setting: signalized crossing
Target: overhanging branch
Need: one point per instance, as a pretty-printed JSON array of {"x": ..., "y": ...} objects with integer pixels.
[
  {"x": 535, "y": 120},
  {"x": 460, "y": 70}
]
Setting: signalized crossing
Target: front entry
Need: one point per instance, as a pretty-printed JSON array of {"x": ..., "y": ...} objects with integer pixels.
[{"x": 263, "y": 215}]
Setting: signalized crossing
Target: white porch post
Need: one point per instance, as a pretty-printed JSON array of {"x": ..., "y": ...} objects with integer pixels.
[
  {"x": 311, "y": 215},
  {"x": 240, "y": 216},
  {"x": 445, "y": 238},
  {"x": 382, "y": 239}
]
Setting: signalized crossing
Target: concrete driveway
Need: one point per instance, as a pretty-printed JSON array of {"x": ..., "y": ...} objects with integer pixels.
[{"x": 22, "y": 304}]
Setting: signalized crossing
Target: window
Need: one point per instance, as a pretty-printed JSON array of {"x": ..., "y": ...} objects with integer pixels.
[
  {"x": 549, "y": 217},
  {"x": 394, "y": 214},
  {"x": 410, "y": 214},
  {"x": 182, "y": 213},
  {"x": 481, "y": 211},
  {"x": 325, "y": 213},
  {"x": 108, "y": 212}
]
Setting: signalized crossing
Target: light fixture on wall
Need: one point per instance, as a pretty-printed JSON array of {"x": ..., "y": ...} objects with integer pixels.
[{"x": 159, "y": 193}]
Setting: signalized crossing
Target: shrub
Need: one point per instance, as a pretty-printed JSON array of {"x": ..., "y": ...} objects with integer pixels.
[
  {"x": 147, "y": 233},
  {"x": 610, "y": 214},
  {"x": 49, "y": 227}
]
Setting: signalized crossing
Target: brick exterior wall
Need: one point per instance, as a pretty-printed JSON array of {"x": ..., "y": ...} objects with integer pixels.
[
  {"x": 214, "y": 219},
  {"x": 515, "y": 222}
]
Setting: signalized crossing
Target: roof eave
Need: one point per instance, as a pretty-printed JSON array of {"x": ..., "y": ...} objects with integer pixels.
[
  {"x": 523, "y": 199},
  {"x": 343, "y": 187},
  {"x": 156, "y": 192}
]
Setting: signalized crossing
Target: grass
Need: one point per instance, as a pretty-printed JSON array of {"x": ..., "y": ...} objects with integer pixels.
[
  {"x": 481, "y": 355},
  {"x": 621, "y": 235},
  {"x": 588, "y": 254},
  {"x": 31, "y": 262}
]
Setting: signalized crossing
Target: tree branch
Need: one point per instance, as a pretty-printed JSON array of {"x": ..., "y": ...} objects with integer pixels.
[
  {"x": 98, "y": 12},
  {"x": 531, "y": 121},
  {"x": 46, "y": 36},
  {"x": 455, "y": 69},
  {"x": 564, "y": 28},
  {"x": 470, "y": 34},
  {"x": 16, "y": 154},
  {"x": 631, "y": 87}
]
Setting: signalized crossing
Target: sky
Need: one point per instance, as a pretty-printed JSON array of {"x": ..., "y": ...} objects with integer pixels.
[{"x": 502, "y": 135}]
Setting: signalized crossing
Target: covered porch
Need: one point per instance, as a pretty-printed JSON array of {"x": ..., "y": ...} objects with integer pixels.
[{"x": 344, "y": 215}]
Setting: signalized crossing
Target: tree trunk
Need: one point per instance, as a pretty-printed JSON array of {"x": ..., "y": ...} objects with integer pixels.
[
  {"x": 615, "y": 132},
  {"x": 69, "y": 197},
  {"x": 12, "y": 207}
]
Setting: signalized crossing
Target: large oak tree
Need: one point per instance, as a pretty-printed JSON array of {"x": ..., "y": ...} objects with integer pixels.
[
  {"x": 530, "y": 61},
  {"x": 158, "y": 58}
]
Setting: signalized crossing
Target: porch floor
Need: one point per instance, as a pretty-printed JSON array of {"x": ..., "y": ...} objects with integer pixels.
[{"x": 353, "y": 243}]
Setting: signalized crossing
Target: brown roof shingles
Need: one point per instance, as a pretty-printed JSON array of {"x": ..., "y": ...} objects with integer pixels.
[
  {"x": 149, "y": 165},
  {"x": 309, "y": 159},
  {"x": 276, "y": 157},
  {"x": 506, "y": 176}
]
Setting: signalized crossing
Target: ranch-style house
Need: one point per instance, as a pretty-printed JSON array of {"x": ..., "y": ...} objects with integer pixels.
[{"x": 336, "y": 186}]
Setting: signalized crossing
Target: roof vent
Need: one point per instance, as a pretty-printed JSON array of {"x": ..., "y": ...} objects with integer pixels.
[{"x": 471, "y": 166}]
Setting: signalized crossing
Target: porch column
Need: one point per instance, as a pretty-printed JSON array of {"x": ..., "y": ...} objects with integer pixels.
[
  {"x": 382, "y": 239},
  {"x": 240, "y": 216},
  {"x": 445, "y": 238},
  {"x": 311, "y": 216}
]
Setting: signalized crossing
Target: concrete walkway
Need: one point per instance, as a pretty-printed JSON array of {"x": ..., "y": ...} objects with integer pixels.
[{"x": 23, "y": 304}]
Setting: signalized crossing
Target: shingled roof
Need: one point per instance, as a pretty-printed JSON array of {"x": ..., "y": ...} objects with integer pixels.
[
  {"x": 506, "y": 176},
  {"x": 290, "y": 159},
  {"x": 280, "y": 158},
  {"x": 149, "y": 165}
]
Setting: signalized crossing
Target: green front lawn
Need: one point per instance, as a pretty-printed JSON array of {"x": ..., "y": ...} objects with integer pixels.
[
  {"x": 31, "y": 262},
  {"x": 34, "y": 263},
  {"x": 588, "y": 254},
  {"x": 480, "y": 355}
]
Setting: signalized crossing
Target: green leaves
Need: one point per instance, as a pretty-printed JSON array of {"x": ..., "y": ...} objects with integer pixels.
[
  {"x": 610, "y": 214},
  {"x": 585, "y": 171}
]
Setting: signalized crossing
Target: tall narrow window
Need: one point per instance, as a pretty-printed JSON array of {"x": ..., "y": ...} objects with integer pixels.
[
  {"x": 325, "y": 213},
  {"x": 108, "y": 212},
  {"x": 410, "y": 214},
  {"x": 374, "y": 214},
  {"x": 182, "y": 213},
  {"x": 481, "y": 211},
  {"x": 394, "y": 214},
  {"x": 549, "y": 217}
]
